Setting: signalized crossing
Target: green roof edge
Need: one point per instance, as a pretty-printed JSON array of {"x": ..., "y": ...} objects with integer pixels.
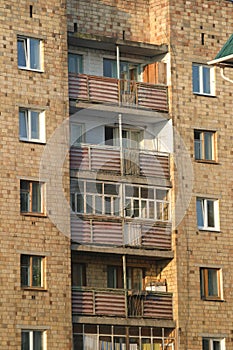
[{"x": 227, "y": 49}]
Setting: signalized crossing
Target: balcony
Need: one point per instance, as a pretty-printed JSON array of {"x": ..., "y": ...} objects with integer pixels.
[
  {"x": 89, "y": 88},
  {"x": 134, "y": 233},
  {"x": 99, "y": 302},
  {"x": 108, "y": 159}
]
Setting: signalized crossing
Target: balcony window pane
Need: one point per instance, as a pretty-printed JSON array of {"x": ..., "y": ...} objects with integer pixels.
[
  {"x": 98, "y": 205},
  {"x": 80, "y": 203},
  {"x": 89, "y": 205},
  {"x": 136, "y": 208},
  {"x": 78, "y": 342},
  {"x": 107, "y": 201},
  {"x": 116, "y": 204}
]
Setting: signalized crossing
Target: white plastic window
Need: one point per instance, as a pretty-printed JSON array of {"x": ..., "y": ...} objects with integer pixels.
[
  {"x": 29, "y": 53},
  {"x": 203, "y": 79},
  {"x": 31, "y": 125}
]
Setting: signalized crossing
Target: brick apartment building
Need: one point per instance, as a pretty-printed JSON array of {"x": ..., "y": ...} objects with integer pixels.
[{"x": 116, "y": 164}]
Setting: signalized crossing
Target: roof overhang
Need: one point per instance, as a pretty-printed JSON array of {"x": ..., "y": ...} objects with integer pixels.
[
  {"x": 223, "y": 61},
  {"x": 110, "y": 44}
]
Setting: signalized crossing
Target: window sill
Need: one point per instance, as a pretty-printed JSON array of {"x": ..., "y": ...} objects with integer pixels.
[
  {"x": 34, "y": 289},
  {"x": 206, "y": 161},
  {"x": 212, "y": 230},
  {"x": 31, "y": 69},
  {"x": 213, "y": 299},
  {"x": 33, "y": 141},
  {"x": 204, "y": 95},
  {"x": 40, "y": 215}
]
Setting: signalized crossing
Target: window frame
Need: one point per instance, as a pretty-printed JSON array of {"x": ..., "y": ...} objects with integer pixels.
[
  {"x": 78, "y": 63},
  {"x": 28, "y": 113},
  {"x": 30, "y": 272},
  {"x": 204, "y": 284},
  {"x": 201, "y": 145},
  {"x": 28, "y": 194},
  {"x": 27, "y": 53},
  {"x": 204, "y": 207},
  {"x": 82, "y": 278},
  {"x": 211, "y": 341},
  {"x": 117, "y": 271},
  {"x": 31, "y": 333},
  {"x": 200, "y": 80},
  {"x": 80, "y": 139}
]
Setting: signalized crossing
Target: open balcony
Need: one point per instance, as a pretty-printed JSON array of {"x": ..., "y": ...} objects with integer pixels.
[
  {"x": 114, "y": 91},
  {"x": 120, "y": 303},
  {"x": 103, "y": 158}
]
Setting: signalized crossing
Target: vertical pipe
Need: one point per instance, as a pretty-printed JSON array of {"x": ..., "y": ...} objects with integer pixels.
[
  {"x": 125, "y": 285},
  {"x": 120, "y": 143},
  {"x": 118, "y": 62}
]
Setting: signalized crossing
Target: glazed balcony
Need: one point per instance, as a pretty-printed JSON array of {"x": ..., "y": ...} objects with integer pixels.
[
  {"x": 135, "y": 234},
  {"x": 114, "y": 91},
  {"x": 120, "y": 303},
  {"x": 145, "y": 163}
]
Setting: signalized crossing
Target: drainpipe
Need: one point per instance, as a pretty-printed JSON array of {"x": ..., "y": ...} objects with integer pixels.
[
  {"x": 120, "y": 142},
  {"x": 223, "y": 75},
  {"x": 125, "y": 285}
]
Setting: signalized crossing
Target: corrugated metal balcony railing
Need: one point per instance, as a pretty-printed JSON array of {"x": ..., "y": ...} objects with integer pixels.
[
  {"x": 107, "y": 158},
  {"x": 110, "y": 90},
  {"x": 95, "y": 302},
  {"x": 121, "y": 233}
]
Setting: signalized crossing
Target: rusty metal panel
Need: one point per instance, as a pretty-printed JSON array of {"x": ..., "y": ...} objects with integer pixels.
[
  {"x": 157, "y": 236},
  {"x": 154, "y": 165},
  {"x": 152, "y": 96},
  {"x": 82, "y": 302},
  {"x": 104, "y": 159},
  {"x": 79, "y": 158},
  {"x": 105, "y": 232},
  {"x": 80, "y": 229},
  {"x": 78, "y": 86},
  {"x": 110, "y": 304},
  {"x": 158, "y": 306},
  {"x": 103, "y": 89}
]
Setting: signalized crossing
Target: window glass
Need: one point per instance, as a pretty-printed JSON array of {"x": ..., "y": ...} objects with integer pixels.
[
  {"x": 21, "y": 52},
  {"x": 208, "y": 141},
  {"x": 37, "y": 340},
  {"x": 206, "y": 80},
  {"x": 23, "y": 124},
  {"x": 35, "y": 131},
  {"x": 31, "y": 125},
  {"x": 34, "y": 54},
  {"x": 196, "y": 81},
  {"x": 204, "y": 145},
  {"x": 25, "y": 340},
  {"x": 75, "y": 63},
  {"x": 36, "y": 197},
  {"x": 200, "y": 218},
  {"x": 76, "y": 134},
  {"x": 202, "y": 83},
  {"x": 31, "y": 197},
  {"x": 36, "y": 271},
  {"x": 212, "y": 282},
  {"x": 25, "y": 270}
]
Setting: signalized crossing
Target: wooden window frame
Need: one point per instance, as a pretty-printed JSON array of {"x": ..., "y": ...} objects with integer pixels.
[
  {"x": 29, "y": 192},
  {"x": 42, "y": 272},
  {"x": 205, "y": 293},
  {"x": 201, "y": 143}
]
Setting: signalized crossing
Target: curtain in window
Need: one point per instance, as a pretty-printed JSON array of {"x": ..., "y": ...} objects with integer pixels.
[{"x": 90, "y": 342}]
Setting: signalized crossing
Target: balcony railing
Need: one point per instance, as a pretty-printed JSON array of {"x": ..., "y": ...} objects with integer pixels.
[
  {"x": 121, "y": 233},
  {"x": 110, "y": 90},
  {"x": 107, "y": 158},
  {"x": 99, "y": 302}
]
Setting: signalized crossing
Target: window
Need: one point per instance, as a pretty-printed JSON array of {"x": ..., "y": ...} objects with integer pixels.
[
  {"x": 78, "y": 275},
  {"x": 207, "y": 214},
  {"x": 31, "y": 197},
  {"x": 204, "y": 145},
  {"x": 131, "y": 138},
  {"x": 75, "y": 63},
  {"x": 90, "y": 197},
  {"x": 147, "y": 203},
  {"x": 29, "y": 53},
  {"x": 135, "y": 278},
  {"x": 213, "y": 344},
  {"x": 210, "y": 283},
  {"x": 31, "y": 125},
  {"x": 203, "y": 79},
  {"x": 114, "y": 277},
  {"x": 32, "y": 340},
  {"x": 76, "y": 134},
  {"x": 32, "y": 271}
]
